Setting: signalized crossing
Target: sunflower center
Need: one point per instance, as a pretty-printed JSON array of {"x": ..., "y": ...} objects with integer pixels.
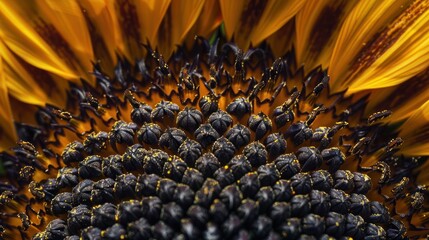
[{"x": 200, "y": 147}]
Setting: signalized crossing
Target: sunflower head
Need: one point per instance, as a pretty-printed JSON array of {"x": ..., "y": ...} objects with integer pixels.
[{"x": 214, "y": 140}]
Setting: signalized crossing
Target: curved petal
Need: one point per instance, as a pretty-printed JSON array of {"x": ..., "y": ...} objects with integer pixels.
[
  {"x": 70, "y": 23},
  {"x": 18, "y": 81},
  {"x": 415, "y": 132},
  {"x": 363, "y": 59},
  {"x": 403, "y": 99},
  {"x": 151, "y": 13},
  {"x": 6, "y": 118},
  {"x": 207, "y": 23},
  {"x": 24, "y": 40},
  {"x": 178, "y": 21},
  {"x": 102, "y": 15},
  {"x": 251, "y": 22},
  {"x": 317, "y": 26}
]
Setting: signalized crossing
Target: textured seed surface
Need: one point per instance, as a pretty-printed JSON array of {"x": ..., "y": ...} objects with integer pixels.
[{"x": 223, "y": 167}]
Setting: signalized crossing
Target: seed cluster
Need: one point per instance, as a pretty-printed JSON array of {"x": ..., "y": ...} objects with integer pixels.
[
  {"x": 210, "y": 180},
  {"x": 242, "y": 161}
]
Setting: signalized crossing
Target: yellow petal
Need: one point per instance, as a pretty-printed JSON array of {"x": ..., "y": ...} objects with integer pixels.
[
  {"x": 19, "y": 82},
  {"x": 381, "y": 44},
  {"x": 68, "y": 20},
  {"x": 254, "y": 21},
  {"x": 21, "y": 37},
  {"x": 317, "y": 27},
  {"x": 106, "y": 35},
  {"x": 151, "y": 13},
  {"x": 415, "y": 132},
  {"x": 209, "y": 19},
  {"x": 280, "y": 45},
  {"x": 402, "y": 99},
  {"x": 7, "y": 127},
  {"x": 179, "y": 19}
]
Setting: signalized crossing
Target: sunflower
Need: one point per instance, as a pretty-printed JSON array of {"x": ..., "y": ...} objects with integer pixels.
[{"x": 214, "y": 119}]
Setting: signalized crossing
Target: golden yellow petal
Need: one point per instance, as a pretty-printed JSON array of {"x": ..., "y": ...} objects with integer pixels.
[
  {"x": 251, "y": 22},
  {"x": 317, "y": 27},
  {"x": 365, "y": 43},
  {"x": 276, "y": 14},
  {"x": 178, "y": 21},
  {"x": 68, "y": 20},
  {"x": 151, "y": 13},
  {"x": 403, "y": 99},
  {"x": 280, "y": 45},
  {"x": 6, "y": 120},
  {"x": 19, "y": 82},
  {"x": 415, "y": 132},
  {"x": 209, "y": 19},
  {"x": 106, "y": 35},
  {"x": 231, "y": 13},
  {"x": 21, "y": 37}
]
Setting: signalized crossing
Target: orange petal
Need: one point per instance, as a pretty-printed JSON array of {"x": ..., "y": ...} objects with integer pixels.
[
  {"x": 178, "y": 21},
  {"x": 415, "y": 132},
  {"x": 106, "y": 35},
  {"x": 6, "y": 120},
  {"x": 402, "y": 99},
  {"x": 317, "y": 27},
  {"x": 251, "y": 22},
  {"x": 381, "y": 44},
  {"x": 209, "y": 19},
  {"x": 18, "y": 81},
  {"x": 21, "y": 37},
  {"x": 68, "y": 20}
]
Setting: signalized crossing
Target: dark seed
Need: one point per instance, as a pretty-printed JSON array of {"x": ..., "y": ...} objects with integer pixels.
[
  {"x": 151, "y": 209},
  {"x": 73, "y": 152},
  {"x": 78, "y": 218},
  {"x": 239, "y": 135},
  {"x": 62, "y": 203},
  {"x": 193, "y": 178},
  {"x": 256, "y": 153},
  {"x": 115, "y": 232},
  {"x": 220, "y": 121},
  {"x": 190, "y": 151},
  {"x": 90, "y": 167},
  {"x": 268, "y": 174},
  {"x": 154, "y": 161},
  {"x": 207, "y": 164},
  {"x": 223, "y": 149},
  {"x": 208, "y": 105},
  {"x": 112, "y": 166},
  {"x": 139, "y": 229},
  {"x": 189, "y": 119},
  {"x": 172, "y": 139},
  {"x": 231, "y": 197},
  {"x": 320, "y": 202},
  {"x": 239, "y": 107},
  {"x": 103, "y": 216},
  {"x": 206, "y": 135},
  {"x": 313, "y": 224},
  {"x": 174, "y": 168},
  {"x": 146, "y": 184},
  {"x": 133, "y": 157},
  {"x": 125, "y": 186},
  {"x": 310, "y": 158},
  {"x": 260, "y": 124},
  {"x": 129, "y": 211},
  {"x": 288, "y": 165},
  {"x": 164, "y": 109},
  {"x": 275, "y": 144},
  {"x": 149, "y": 133},
  {"x": 249, "y": 184},
  {"x": 103, "y": 191}
]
